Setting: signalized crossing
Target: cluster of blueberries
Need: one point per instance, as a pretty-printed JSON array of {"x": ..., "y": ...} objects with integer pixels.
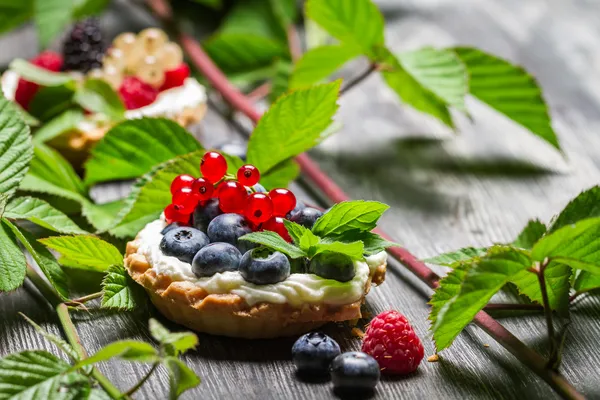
[{"x": 316, "y": 354}]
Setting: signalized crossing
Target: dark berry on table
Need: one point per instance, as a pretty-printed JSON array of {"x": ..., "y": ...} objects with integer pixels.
[
  {"x": 136, "y": 93},
  {"x": 84, "y": 47},
  {"x": 204, "y": 213},
  {"x": 185, "y": 200},
  {"x": 314, "y": 352},
  {"x": 203, "y": 189},
  {"x": 172, "y": 214},
  {"x": 183, "y": 243},
  {"x": 175, "y": 77},
  {"x": 170, "y": 227},
  {"x": 306, "y": 217},
  {"x": 259, "y": 208},
  {"x": 232, "y": 197},
  {"x": 182, "y": 181},
  {"x": 229, "y": 228},
  {"x": 299, "y": 265},
  {"x": 284, "y": 201},
  {"x": 331, "y": 265},
  {"x": 215, "y": 258},
  {"x": 299, "y": 206},
  {"x": 276, "y": 225},
  {"x": 213, "y": 166},
  {"x": 263, "y": 266},
  {"x": 248, "y": 175},
  {"x": 354, "y": 371},
  {"x": 237, "y": 149},
  {"x": 26, "y": 90}
]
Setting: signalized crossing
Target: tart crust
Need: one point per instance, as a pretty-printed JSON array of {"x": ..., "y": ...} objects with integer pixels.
[{"x": 229, "y": 314}]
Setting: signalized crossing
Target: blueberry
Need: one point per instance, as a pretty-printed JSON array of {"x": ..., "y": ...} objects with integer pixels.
[
  {"x": 299, "y": 206},
  {"x": 205, "y": 213},
  {"x": 183, "y": 243},
  {"x": 233, "y": 148},
  {"x": 229, "y": 228},
  {"x": 354, "y": 371},
  {"x": 332, "y": 266},
  {"x": 170, "y": 227},
  {"x": 258, "y": 188},
  {"x": 314, "y": 352},
  {"x": 216, "y": 257},
  {"x": 306, "y": 217},
  {"x": 262, "y": 266}
]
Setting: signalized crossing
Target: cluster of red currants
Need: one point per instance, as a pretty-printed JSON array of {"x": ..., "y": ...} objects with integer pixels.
[{"x": 265, "y": 211}]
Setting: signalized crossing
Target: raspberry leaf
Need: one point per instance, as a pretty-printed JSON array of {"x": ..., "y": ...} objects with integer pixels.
[
  {"x": 51, "y": 18},
  {"x": 448, "y": 288},
  {"x": 349, "y": 215},
  {"x": 119, "y": 291},
  {"x": 40, "y": 213},
  {"x": 176, "y": 342},
  {"x": 586, "y": 281},
  {"x": 51, "y": 101},
  {"x": 12, "y": 261},
  {"x": 99, "y": 97},
  {"x": 319, "y": 63},
  {"x": 585, "y": 205},
  {"x": 558, "y": 284},
  {"x": 454, "y": 258},
  {"x": 273, "y": 241},
  {"x": 41, "y": 76},
  {"x": 281, "y": 175},
  {"x": 15, "y": 147},
  {"x": 530, "y": 235},
  {"x": 57, "y": 126},
  {"x": 128, "y": 350},
  {"x": 181, "y": 377},
  {"x": 84, "y": 252},
  {"x": 102, "y": 216}
]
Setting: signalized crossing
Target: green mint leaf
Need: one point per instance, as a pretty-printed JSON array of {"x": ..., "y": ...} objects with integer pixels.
[
  {"x": 349, "y": 215},
  {"x": 281, "y": 175},
  {"x": 38, "y": 75},
  {"x": 58, "y": 342},
  {"x": 181, "y": 377},
  {"x": 59, "y": 125},
  {"x": 176, "y": 342},
  {"x": 40, "y": 375},
  {"x": 585, "y": 205},
  {"x": 301, "y": 235},
  {"x": 319, "y": 63},
  {"x": 576, "y": 245},
  {"x": 98, "y": 96},
  {"x": 586, "y": 281},
  {"x": 50, "y": 101},
  {"x": 51, "y": 18},
  {"x": 134, "y": 147},
  {"x": 372, "y": 242},
  {"x": 484, "y": 278},
  {"x": 558, "y": 284},
  {"x": 44, "y": 259},
  {"x": 530, "y": 235},
  {"x": 354, "y": 250},
  {"x": 102, "y": 216},
  {"x": 119, "y": 291},
  {"x": 508, "y": 89},
  {"x": 14, "y": 13},
  {"x": 355, "y": 23},
  {"x": 15, "y": 147},
  {"x": 85, "y": 252},
  {"x": 128, "y": 350},
  {"x": 448, "y": 288},
  {"x": 12, "y": 261},
  {"x": 455, "y": 258},
  {"x": 273, "y": 241},
  {"x": 40, "y": 213},
  {"x": 292, "y": 125}
]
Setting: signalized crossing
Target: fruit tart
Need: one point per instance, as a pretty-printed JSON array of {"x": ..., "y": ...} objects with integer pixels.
[
  {"x": 227, "y": 257},
  {"x": 146, "y": 71}
]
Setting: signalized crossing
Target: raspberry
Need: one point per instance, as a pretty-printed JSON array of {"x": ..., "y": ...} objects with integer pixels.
[
  {"x": 26, "y": 90},
  {"x": 393, "y": 343},
  {"x": 136, "y": 94},
  {"x": 49, "y": 60},
  {"x": 176, "y": 77},
  {"x": 84, "y": 46}
]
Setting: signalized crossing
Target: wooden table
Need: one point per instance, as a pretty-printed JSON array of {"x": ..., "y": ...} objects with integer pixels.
[{"x": 446, "y": 190}]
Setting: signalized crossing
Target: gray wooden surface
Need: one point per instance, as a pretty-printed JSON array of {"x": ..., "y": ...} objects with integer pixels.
[{"x": 446, "y": 191}]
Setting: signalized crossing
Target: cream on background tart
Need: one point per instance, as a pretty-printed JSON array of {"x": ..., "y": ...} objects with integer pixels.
[{"x": 228, "y": 258}]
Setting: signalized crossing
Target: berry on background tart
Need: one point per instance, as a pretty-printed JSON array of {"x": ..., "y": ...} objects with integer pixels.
[
  {"x": 226, "y": 257},
  {"x": 146, "y": 71}
]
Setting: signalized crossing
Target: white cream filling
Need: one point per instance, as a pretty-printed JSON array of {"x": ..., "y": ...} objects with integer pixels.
[{"x": 296, "y": 290}]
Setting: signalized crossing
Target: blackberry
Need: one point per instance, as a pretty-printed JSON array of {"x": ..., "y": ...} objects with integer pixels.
[{"x": 84, "y": 47}]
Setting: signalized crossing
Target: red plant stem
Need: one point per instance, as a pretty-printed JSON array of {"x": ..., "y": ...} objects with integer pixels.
[{"x": 294, "y": 42}]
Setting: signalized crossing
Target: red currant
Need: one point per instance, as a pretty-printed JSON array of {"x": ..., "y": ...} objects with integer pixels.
[
  {"x": 232, "y": 197},
  {"x": 181, "y": 181},
  {"x": 284, "y": 201},
  {"x": 248, "y": 175},
  {"x": 213, "y": 166},
  {"x": 185, "y": 200},
  {"x": 259, "y": 208},
  {"x": 203, "y": 189},
  {"x": 276, "y": 225},
  {"x": 172, "y": 214}
]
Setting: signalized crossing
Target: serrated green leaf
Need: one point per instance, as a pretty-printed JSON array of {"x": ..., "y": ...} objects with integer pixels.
[
  {"x": 586, "y": 281},
  {"x": 35, "y": 184},
  {"x": 319, "y": 63},
  {"x": 181, "y": 377},
  {"x": 134, "y": 147},
  {"x": 119, "y": 291},
  {"x": 50, "y": 101},
  {"x": 355, "y": 23},
  {"x": 373, "y": 243},
  {"x": 281, "y": 175},
  {"x": 292, "y": 125},
  {"x": 448, "y": 287},
  {"x": 41, "y": 213},
  {"x": 12, "y": 261},
  {"x": 41, "y": 76},
  {"x": 585, "y": 205},
  {"x": 176, "y": 342},
  {"x": 98, "y": 394},
  {"x": 280, "y": 81},
  {"x": 483, "y": 279},
  {"x": 508, "y": 89},
  {"x": 15, "y": 147},
  {"x": 286, "y": 11},
  {"x": 128, "y": 350},
  {"x": 51, "y": 18},
  {"x": 558, "y": 284},
  {"x": 99, "y": 97},
  {"x": 59, "y": 125},
  {"x": 349, "y": 215},
  {"x": 85, "y": 252},
  {"x": 27, "y": 118},
  {"x": 14, "y": 13},
  {"x": 273, "y": 241},
  {"x": 253, "y": 17},
  {"x": 58, "y": 342},
  {"x": 354, "y": 250},
  {"x": 454, "y": 258},
  {"x": 102, "y": 216},
  {"x": 530, "y": 235},
  {"x": 86, "y": 8},
  {"x": 301, "y": 235},
  {"x": 48, "y": 165},
  {"x": 40, "y": 375}
]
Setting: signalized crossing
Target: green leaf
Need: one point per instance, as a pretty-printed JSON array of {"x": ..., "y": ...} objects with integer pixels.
[
  {"x": 508, "y": 89},
  {"x": 373, "y": 243},
  {"x": 292, "y": 125},
  {"x": 12, "y": 261},
  {"x": 530, "y": 235},
  {"x": 14, "y": 13},
  {"x": 216, "y": 4},
  {"x": 448, "y": 288},
  {"x": 586, "y": 281},
  {"x": 59, "y": 125},
  {"x": 181, "y": 377},
  {"x": 27, "y": 118},
  {"x": 49, "y": 166},
  {"x": 40, "y": 375},
  {"x": 349, "y": 215},
  {"x": 86, "y": 8},
  {"x": 133, "y": 147},
  {"x": 273, "y": 241},
  {"x": 85, "y": 252},
  {"x": 99, "y": 97},
  {"x": 253, "y": 17},
  {"x": 119, "y": 291},
  {"x": 585, "y": 205},
  {"x": 558, "y": 284},
  {"x": 301, "y": 235},
  {"x": 102, "y": 216},
  {"x": 38, "y": 75},
  {"x": 354, "y": 250},
  {"x": 36, "y": 184},
  {"x": 15, "y": 147},
  {"x": 454, "y": 258},
  {"x": 281, "y": 175},
  {"x": 50, "y": 101},
  {"x": 319, "y": 63},
  {"x": 286, "y": 11},
  {"x": 128, "y": 350},
  {"x": 51, "y": 18},
  {"x": 355, "y": 23},
  {"x": 40, "y": 213},
  {"x": 280, "y": 81},
  {"x": 484, "y": 278},
  {"x": 58, "y": 342},
  {"x": 176, "y": 342},
  {"x": 44, "y": 259}
]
